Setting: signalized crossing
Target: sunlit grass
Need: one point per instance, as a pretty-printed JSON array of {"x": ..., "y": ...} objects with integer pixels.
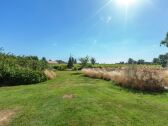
[{"x": 95, "y": 102}]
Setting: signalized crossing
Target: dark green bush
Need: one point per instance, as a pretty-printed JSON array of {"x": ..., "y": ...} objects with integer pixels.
[
  {"x": 15, "y": 70},
  {"x": 15, "y": 76},
  {"x": 60, "y": 67},
  {"x": 75, "y": 68}
]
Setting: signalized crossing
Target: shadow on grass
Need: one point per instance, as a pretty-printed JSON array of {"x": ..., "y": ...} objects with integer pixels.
[
  {"x": 13, "y": 85},
  {"x": 137, "y": 91},
  {"x": 77, "y": 73},
  {"x": 19, "y": 84}
]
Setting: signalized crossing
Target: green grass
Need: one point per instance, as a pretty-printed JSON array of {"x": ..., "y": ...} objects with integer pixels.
[{"x": 95, "y": 103}]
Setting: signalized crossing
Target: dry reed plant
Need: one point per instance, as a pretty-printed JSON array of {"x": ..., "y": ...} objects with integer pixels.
[
  {"x": 143, "y": 78},
  {"x": 50, "y": 74}
]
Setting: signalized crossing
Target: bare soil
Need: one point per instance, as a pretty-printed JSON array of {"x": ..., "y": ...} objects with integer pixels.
[{"x": 5, "y": 116}]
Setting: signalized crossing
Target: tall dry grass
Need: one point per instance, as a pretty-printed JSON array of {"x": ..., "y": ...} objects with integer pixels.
[
  {"x": 49, "y": 74},
  {"x": 143, "y": 78}
]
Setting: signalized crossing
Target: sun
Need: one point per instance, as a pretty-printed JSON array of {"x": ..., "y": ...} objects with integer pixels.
[
  {"x": 125, "y": 6},
  {"x": 125, "y": 3}
]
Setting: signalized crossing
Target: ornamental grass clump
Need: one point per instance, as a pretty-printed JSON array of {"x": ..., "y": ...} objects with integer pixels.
[
  {"x": 144, "y": 78},
  {"x": 136, "y": 77}
]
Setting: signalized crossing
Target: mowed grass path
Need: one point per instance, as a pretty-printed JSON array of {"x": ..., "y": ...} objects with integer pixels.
[{"x": 93, "y": 102}]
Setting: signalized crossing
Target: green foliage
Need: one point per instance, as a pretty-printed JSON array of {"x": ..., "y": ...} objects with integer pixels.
[
  {"x": 122, "y": 62},
  {"x": 94, "y": 102},
  {"x": 15, "y": 76},
  {"x": 156, "y": 61},
  {"x": 60, "y": 67},
  {"x": 60, "y": 62},
  {"x": 21, "y": 69},
  {"x": 141, "y": 61},
  {"x": 108, "y": 65},
  {"x": 131, "y": 61},
  {"x": 164, "y": 60},
  {"x": 165, "y": 41},
  {"x": 93, "y": 61},
  {"x": 84, "y": 61},
  {"x": 76, "y": 68},
  {"x": 75, "y": 61},
  {"x": 71, "y": 62}
]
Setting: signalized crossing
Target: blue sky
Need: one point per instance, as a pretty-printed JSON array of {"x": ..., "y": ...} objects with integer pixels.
[{"x": 99, "y": 28}]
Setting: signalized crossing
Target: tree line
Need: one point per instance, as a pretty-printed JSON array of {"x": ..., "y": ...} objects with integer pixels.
[{"x": 83, "y": 61}]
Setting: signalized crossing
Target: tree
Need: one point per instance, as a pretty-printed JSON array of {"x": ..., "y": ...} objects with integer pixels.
[
  {"x": 84, "y": 61},
  {"x": 165, "y": 42},
  {"x": 164, "y": 60},
  {"x": 32, "y": 57},
  {"x": 131, "y": 61},
  {"x": 70, "y": 62},
  {"x": 122, "y": 62},
  {"x": 156, "y": 61},
  {"x": 75, "y": 61},
  {"x": 44, "y": 63},
  {"x": 60, "y": 62},
  {"x": 44, "y": 59},
  {"x": 93, "y": 61},
  {"x": 141, "y": 61}
]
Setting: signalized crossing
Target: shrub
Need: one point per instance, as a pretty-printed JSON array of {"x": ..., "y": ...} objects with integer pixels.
[
  {"x": 77, "y": 67},
  {"x": 60, "y": 67},
  {"x": 16, "y": 70},
  {"x": 15, "y": 76},
  {"x": 84, "y": 61},
  {"x": 93, "y": 61}
]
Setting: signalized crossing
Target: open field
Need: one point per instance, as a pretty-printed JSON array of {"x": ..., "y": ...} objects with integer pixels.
[
  {"x": 74, "y": 100},
  {"x": 78, "y": 66}
]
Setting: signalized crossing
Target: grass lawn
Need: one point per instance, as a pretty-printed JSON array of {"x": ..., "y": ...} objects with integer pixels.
[{"x": 74, "y": 100}]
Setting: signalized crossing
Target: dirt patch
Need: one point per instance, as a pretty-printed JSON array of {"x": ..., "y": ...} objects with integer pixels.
[
  {"x": 68, "y": 96},
  {"x": 5, "y": 116}
]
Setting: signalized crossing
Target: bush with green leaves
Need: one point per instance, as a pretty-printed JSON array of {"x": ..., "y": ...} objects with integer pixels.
[
  {"x": 15, "y": 70},
  {"x": 77, "y": 67},
  {"x": 84, "y": 61},
  {"x": 15, "y": 76},
  {"x": 60, "y": 67},
  {"x": 93, "y": 61}
]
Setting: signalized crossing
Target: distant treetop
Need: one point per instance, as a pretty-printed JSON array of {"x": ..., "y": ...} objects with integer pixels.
[{"x": 165, "y": 42}]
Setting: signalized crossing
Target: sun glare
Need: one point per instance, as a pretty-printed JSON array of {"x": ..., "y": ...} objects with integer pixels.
[
  {"x": 125, "y": 2},
  {"x": 126, "y": 5}
]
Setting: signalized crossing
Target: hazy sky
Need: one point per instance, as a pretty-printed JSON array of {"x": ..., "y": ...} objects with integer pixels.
[{"x": 108, "y": 31}]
